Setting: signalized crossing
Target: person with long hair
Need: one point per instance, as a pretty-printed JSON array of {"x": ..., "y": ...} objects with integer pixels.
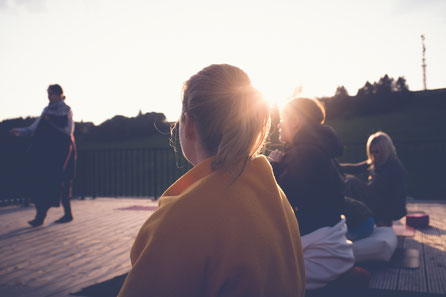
[
  {"x": 51, "y": 158},
  {"x": 385, "y": 191},
  {"x": 225, "y": 228},
  {"x": 308, "y": 175}
]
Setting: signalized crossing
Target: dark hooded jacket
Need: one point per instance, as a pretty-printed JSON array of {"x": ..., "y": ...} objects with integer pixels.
[{"x": 310, "y": 179}]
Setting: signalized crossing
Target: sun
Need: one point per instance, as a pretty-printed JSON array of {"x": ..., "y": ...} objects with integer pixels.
[{"x": 275, "y": 95}]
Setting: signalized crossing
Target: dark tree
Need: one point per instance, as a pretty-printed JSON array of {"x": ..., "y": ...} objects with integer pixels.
[
  {"x": 384, "y": 86},
  {"x": 401, "y": 85},
  {"x": 123, "y": 128},
  {"x": 366, "y": 90},
  {"x": 382, "y": 96},
  {"x": 341, "y": 91}
]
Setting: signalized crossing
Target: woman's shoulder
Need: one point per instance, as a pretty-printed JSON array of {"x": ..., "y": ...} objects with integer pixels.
[
  {"x": 222, "y": 189},
  {"x": 394, "y": 165}
]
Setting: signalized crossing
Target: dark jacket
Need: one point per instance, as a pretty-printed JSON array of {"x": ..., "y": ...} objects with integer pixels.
[
  {"x": 51, "y": 161},
  {"x": 388, "y": 185},
  {"x": 310, "y": 179}
]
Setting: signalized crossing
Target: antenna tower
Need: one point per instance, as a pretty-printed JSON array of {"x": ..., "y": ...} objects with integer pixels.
[{"x": 423, "y": 62}]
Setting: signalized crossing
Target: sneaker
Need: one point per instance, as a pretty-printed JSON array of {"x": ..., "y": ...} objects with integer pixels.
[
  {"x": 35, "y": 222},
  {"x": 65, "y": 219}
]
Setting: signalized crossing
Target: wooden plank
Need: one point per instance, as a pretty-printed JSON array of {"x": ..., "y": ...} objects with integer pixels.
[
  {"x": 430, "y": 277},
  {"x": 57, "y": 259},
  {"x": 433, "y": 246},
  {"x": 413, "y": 279}
]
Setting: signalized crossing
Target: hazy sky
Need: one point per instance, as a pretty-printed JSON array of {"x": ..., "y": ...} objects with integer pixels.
[{"x": 119, "y": 57}]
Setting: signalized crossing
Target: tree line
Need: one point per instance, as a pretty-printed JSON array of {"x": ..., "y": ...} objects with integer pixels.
[
  {"x": 118, "y": 128},
  {"x": 382, "y": 96}
]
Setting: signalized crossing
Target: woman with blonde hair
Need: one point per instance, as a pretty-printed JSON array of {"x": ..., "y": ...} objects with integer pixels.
[
  {"x": 224, "y": 228},
  {"x": 385, "y": 191}
]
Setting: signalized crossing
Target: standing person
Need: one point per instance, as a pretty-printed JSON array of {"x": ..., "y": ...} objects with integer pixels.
[
  {"x": 385, "y": 192},
  {"x": 308, "y": 175},
  {"x": 224, "y": 228},
  {"x": 51, "y": 157}
]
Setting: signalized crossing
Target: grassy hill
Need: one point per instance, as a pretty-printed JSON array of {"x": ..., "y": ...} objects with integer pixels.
[{"x": 418, "y": 121}]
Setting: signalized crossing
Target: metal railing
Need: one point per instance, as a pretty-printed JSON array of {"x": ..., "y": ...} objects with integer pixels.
[
  {"x": 147, "y": 172},
  {"x": 425, "y": 162},
  {"x": 143, "y": 172}
]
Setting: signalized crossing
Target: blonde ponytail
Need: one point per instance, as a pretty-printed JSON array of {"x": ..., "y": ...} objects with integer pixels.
[{"x": 231, "y": 116}]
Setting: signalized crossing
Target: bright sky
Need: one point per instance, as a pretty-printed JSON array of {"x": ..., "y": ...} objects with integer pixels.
[{"x": 118, "y": 57}]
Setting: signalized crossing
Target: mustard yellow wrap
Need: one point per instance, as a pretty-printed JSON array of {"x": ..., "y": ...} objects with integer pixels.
[{"x": 217, "y": 236}]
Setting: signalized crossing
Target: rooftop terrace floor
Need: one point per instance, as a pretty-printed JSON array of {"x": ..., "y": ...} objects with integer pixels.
[{"x": 59, "y": 259}]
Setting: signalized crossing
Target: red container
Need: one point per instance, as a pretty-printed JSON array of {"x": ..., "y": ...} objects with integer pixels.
[{"x": 417, "y": 220}]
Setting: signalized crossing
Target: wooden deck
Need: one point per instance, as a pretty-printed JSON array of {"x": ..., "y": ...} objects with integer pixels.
[
  {"x": 59, "y": 259},
  {"x": 430, "y": 242}
]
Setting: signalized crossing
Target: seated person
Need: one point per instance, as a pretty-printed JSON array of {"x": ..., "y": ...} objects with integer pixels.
[
  {"x": 307, "y": 174},
  {"x": 225, "y": 228},
  {"x": 385, "y": 191}
]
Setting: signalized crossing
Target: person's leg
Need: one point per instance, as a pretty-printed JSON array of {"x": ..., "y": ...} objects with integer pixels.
[
  {"x": 66, "y": 196},
  {"x": 356, "y": 188},
  {"x": 41, "y": 211}
]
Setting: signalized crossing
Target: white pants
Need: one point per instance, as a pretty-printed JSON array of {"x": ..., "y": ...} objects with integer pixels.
[{"x": 327, "y": 254}]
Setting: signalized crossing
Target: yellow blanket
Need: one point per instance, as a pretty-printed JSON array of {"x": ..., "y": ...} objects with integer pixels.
[{"x": 213, "y": 236}]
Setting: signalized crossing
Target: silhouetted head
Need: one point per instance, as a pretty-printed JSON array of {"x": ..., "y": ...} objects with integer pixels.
[
  {"x": 55, "y": 93},
  {"x": 380, "y": 148},
  {"x": 225, "y": 114},
  {"x": 297, "y": 113}
]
